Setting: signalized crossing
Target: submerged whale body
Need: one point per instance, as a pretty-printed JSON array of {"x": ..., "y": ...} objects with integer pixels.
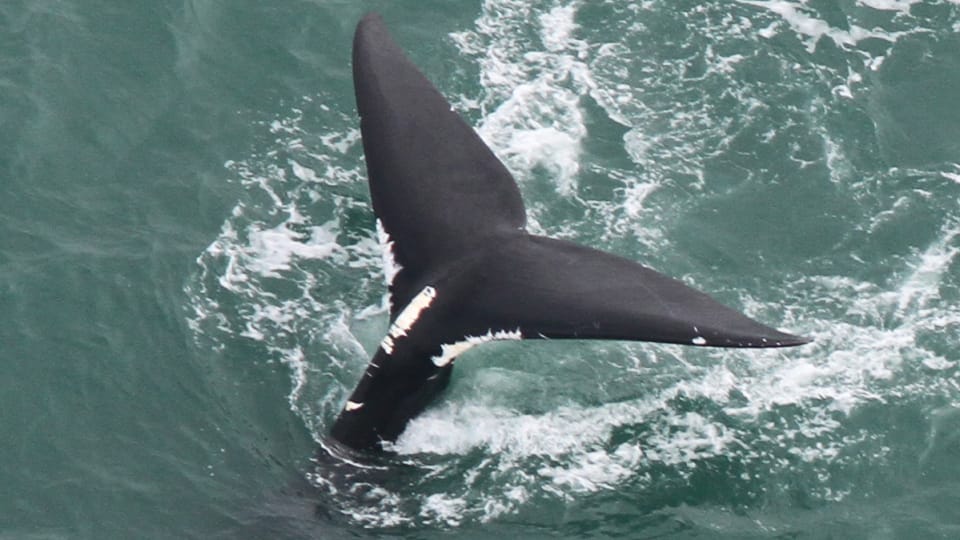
[{"x": 461, "y": 268}]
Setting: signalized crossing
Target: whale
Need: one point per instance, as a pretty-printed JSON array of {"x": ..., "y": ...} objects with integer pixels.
[{"x": 462, "y": 269}]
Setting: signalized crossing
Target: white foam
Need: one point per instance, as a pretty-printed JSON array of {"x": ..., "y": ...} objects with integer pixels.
[
  {"x": 594, "y": 470},
  {"x": 271, "y": 251},
  {"x": 304, "y": 173},
  {"x": 539, "y": 126},
  {"x": 799, "y": 17},
  {"x": 922, "y": 285},
  {"x": 261, "y": 278},
  {"x": 951, "y": 176},
  {"x": 938, "y": 364},
  {"x": 889, "y": 5},
  {"x": 557, "y": 27},
  {"x": 378, "y": 508},
  {"x": 534, "y": 94},
  {"x": 443, "y": 509},
  {"x": 458, "y": 428},
  {"x": 570, "y": 440}
]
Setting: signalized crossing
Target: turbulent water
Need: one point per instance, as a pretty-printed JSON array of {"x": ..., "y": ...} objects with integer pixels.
[{"x": 191, "y": 282}]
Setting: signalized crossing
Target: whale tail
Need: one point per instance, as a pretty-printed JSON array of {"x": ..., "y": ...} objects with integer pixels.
[{"x": 465, "y": 271}]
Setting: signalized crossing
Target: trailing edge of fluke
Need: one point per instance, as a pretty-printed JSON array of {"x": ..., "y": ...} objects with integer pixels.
[{"x": 462, "y": 269}]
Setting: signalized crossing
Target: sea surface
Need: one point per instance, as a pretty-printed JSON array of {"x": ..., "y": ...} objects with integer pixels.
[{"x": 191, "y": 284}]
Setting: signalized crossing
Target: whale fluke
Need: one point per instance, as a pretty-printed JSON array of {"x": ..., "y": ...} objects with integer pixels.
[{"x": 464, "y": 271}]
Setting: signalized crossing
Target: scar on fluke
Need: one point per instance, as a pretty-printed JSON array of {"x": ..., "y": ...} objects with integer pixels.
[
  {"x": 462, "y": 270},
  {"x": 408, "y": 317}
]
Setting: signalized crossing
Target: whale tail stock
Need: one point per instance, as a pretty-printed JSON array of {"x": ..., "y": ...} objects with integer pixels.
[{"x": 464, "y": 270}]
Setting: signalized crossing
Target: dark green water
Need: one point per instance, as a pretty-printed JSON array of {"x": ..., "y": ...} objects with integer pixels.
[{"x": 190, "y": 279}]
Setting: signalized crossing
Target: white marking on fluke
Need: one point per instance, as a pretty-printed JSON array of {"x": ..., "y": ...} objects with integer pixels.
[
  {"x": 387, "y": 344},
  {"x": 699, "y": 340},
  {"x": 408, "y": 317},
  {"x": 449, "y": 351},
  {"x": 390, "y": 266},
  {"x": 352, "y": 406}
]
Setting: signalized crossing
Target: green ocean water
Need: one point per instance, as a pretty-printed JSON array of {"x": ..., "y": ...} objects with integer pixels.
[{"x": 191, "y": 285}]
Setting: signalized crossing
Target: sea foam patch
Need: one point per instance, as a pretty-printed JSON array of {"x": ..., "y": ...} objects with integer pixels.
[
  {"x": 267, "y": 278},
  {"x": 532, "y": 89}
]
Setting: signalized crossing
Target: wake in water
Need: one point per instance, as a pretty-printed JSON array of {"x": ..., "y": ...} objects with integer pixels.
[{"x": 725, "y": 127}]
